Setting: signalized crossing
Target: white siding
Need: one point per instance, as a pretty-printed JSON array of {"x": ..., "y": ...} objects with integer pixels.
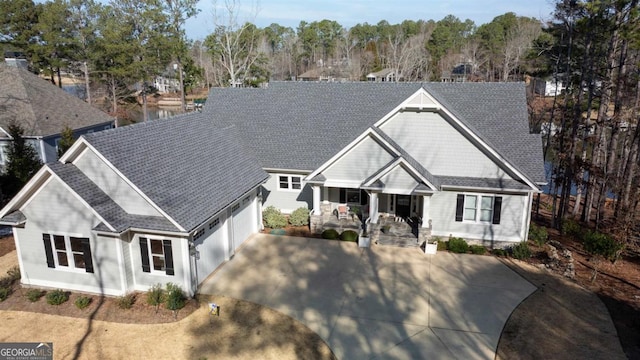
[
  {"x": 439, "y": 147},
  {"x": 360, "y": 162},
  {"x": 286, "y": 200},
  {"x": 113, "y": 185},
  {"x": 55, "y": 210},
  {"x": 443, "y": 214},
  {"x": 398, "y": 181}
]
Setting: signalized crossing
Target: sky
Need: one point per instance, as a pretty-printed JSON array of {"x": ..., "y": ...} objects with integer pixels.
[{"x": 351, "y": 12}]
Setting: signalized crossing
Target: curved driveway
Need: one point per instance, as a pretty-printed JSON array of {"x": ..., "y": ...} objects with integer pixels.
[{"x": 381, "y": 302}]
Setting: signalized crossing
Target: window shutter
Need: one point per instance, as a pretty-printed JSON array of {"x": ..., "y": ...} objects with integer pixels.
[
  {"x": 459, "y": 207},
  {"x": 144, "y": 252},
  {"x": 86, "y": 254},
  {"x": 364, "y": 197},
  {"x": 497, "y": 209},
  {"x": 168, "y": 257},
  {"x": 343, "y": 196},
  {"x": 46, "y": 238}
]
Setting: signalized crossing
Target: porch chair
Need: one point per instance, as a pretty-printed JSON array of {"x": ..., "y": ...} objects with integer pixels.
[{"x": 343, "y": 211}]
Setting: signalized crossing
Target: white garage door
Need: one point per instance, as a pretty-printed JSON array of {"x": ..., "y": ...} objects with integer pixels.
[
  {"x": 243, "y": 215},
  {"x": 210, "y": 248}
]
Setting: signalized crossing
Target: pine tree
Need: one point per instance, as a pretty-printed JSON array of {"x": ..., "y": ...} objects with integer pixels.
[
  {"x": 22, "y": 163},
  {"x": 66, "y": 140}
]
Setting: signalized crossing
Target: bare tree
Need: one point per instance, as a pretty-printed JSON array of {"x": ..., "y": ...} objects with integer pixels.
[{"x": 519, "y": 40}]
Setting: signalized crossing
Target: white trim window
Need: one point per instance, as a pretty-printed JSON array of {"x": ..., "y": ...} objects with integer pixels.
[
  {"x": 157, "y": 255},
  {"x": 289, "y": 182},
  {"x": 479, "y": 208},
  {"x": 68, "y": 252}
]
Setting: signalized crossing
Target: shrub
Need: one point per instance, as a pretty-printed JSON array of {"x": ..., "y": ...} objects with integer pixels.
[
  {"x": 13, "y": 273},
  {"x": 571, "y": 227},
  {"x": 330, "y": 234},
  {"x": 299, "y": 217},
  {"x": 599, "y": 244},
  {"x": 82, "y": 302},
  {"x": 34, "y": 295},
  {"x": 538, "y": 234},
  {"x": 273, "y": 218},
  {"x": 5, "y": 291},
  {"x": 156, "y": 296},
  {"x": 57, "y": 297},
  {"x": 442, "y": 245},
  {"x": 126, "y": 301},
  {"x": 349, "y": 235},
  {"x": 478, "y": 249},
  {"x": 521, "y": 251},
  {"x": 499, "y": 252},
  {"x": 176, "y": 299},
  {"x": 458, "y": 245}
]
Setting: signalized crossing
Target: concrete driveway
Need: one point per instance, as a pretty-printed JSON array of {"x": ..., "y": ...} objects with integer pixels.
[{"x": 381, "y": 302}]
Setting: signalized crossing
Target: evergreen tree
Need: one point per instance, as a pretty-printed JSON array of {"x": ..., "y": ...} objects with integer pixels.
[
  {"x": 66, "y": 140},
  {"x": 22, "y": 163}
]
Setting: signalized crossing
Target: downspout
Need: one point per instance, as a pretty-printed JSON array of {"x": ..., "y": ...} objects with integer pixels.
[{"x": 43, "y": 155}]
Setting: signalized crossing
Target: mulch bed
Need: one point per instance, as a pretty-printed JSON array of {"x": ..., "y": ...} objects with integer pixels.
[
  {"x": 7, "y": 245},
  {"x": 302, "y": 231}
]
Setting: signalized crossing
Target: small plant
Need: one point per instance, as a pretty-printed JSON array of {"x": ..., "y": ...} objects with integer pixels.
[
  {"x": 478, "y": 249},
  {"x": 601, "y": 247},
  {"x": 14, "y": 273},
  {"x": 499, "y": 252},
  {"x": 330, "y": 234},
  {"x": 457, "y": 245},
  {"x": 82, "y": 302},
  {"x": 156, "y": 296},
  {"x": 299, "y": 217},
  {"x": 442, "y": 245},
  {"x": 57, "y": 297},
  {"x": 5, "y": 291},
  {"x": 571, "y": 227},
  {"x": 34, "y": 295},
  {"x": 273, "y": 218},
  {"x": 538, "y": 234},
  {"x": 176, "y": 299},
  {"x": 349, "y": 235},
  {"x": 521, "y": 251},
  {"x": 126, "y": 301}
]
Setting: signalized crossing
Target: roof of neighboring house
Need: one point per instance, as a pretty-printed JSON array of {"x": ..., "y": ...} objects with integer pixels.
[
  {"x": 41, "y": 108},
  {"x": 189, "y": 166},
  {"x": 381, "y": 73},
  {"x": 299, "y": 126}
]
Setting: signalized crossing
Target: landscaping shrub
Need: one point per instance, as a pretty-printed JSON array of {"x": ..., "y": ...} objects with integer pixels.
[
  {"x": 126, "y": 301},
  {"x": 538, "y": 234},
  {"x": 176, "y": 299},
  {"x": 330, "y": 234},
  {"x": 14, "y": 273},
  {"x": 299, "y": 217},
  {"x": 156, "y": 296},
  {"x": 5, "y": 291},
  {"x": 521, "y": 251},
  {"x": 82, "y": 302},
  {"x": 478, "y": 249},
  {"x": 34, "y": 295},
  {"x": 457, "y": 245},
  {"x": 442, "y": 245},
  {"x": 273, "y": 218},
  {"x": 349, "y": 235},
  {"x": 599, "y": 244},
  {"x": 571, "y": 227},
  {"x": 57, "y": 297},
  {"x": 499, "y": 252}
]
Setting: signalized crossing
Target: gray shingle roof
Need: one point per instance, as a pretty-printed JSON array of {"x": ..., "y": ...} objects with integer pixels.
[
  {"x": 188, "y": 165},
  {"x": 41, "y": 108},
  {"x": 298, "y": 125},
  {"x": 469, "y": 182},
  {"x": 15, "y": 217},
  {"x": 103, "y": 204}
]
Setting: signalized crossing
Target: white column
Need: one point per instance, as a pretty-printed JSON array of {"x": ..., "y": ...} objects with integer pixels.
[
  {"x": 426, "y": 206},
  {"x": 316, "y": 200},
  {"x": 373, "y": 207},
  {"x": 325, "y": 195}
]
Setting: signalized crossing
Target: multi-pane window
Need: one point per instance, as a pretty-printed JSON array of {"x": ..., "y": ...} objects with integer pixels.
[
  {"x": 479, "y": 208},
  {"x": 470, "y": 205},
  {"x": 214, "y": 223},
  {"x": 289, "y": 182},
  {"x": 70, "y": 252},
  {"x": 157, "y": 254}
]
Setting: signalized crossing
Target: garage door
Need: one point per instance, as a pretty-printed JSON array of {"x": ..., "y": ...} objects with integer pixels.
[
  {"x": 243, "y": 220},
  {"x": 210, "y": 248}
]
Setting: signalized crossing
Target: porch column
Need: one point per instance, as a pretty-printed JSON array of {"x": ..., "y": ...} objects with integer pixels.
[
  {"x": 373, "y": 207},
  {"x": 426, "y": 206},
  {"x": 325, "y": 195},
  {"x": 316, "y": 200}
]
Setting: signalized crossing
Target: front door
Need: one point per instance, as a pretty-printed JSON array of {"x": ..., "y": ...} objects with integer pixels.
[{"x": 403, "y": 206}]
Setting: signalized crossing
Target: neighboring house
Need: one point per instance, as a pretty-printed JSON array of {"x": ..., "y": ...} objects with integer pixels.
[
  {"x": 170, "y": 200},
  {"x": 548, "y": 87},
  {"x": 384, "y": 75},
  {"x": 16, "y": 59},
  {"x": 43, "y": 110},
  {"x": 124, "y": 209},
  {"x": 458, "y": 156},
  {"x": 460, "y": 73},
  {"x": 165, "y": 84}
]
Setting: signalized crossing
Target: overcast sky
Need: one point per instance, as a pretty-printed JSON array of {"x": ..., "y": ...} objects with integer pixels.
[{"x": 350, "y": 12}]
